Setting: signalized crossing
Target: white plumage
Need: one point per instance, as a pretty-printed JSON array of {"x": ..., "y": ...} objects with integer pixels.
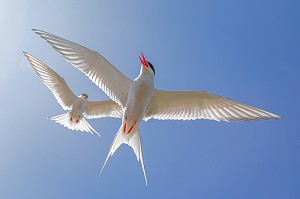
[
  {"x": 78, "y": 106},
  {"x": 105, "y": 75},
  {"x": 191, "y": 105},
  {"x": 141, "y": 101}
]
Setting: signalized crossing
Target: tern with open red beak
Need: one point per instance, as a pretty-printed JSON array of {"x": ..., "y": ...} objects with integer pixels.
[{"x": 140, "y": 100}]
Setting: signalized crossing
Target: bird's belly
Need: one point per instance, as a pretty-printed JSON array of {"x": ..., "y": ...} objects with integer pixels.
[
  {"x": 137, "y": 105},
  {"x": 139, "y": 98},
  {"x": 78, "y": 109},
  {"x": 132, "y": 116},
  {"x": 135, "y": 112}
]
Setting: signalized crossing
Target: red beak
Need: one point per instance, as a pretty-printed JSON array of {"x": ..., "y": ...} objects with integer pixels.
[{"x": 143, "y": 60}]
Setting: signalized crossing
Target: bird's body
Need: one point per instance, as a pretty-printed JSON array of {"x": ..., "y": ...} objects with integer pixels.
[
  {"x": 78, "y": 109},
  {"x": 140, "y": 93},
  {"x": 139, "y": 96},
  {"x": 140, "y": 100},
  {"x": 78, "y": 106},
  {"x": 74, "y": 119}
]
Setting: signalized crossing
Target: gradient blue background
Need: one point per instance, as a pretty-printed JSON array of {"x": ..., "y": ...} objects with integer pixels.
[{"x": 244, "y": 50}]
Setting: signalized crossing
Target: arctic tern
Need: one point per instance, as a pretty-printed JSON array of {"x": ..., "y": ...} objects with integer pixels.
[
  {"x": 78, "y": 106},
  {"x": 140, "y": 100}
]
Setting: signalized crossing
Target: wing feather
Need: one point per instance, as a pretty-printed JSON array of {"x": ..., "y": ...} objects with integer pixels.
[
  {"x": 92, "y": 64},
  {"x": 191, "y": 105},
  {"x": 58, "y": 86},
  {"x": 107, "y": 108}
]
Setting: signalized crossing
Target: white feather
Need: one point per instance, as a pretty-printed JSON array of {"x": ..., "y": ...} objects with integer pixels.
[
  {"x": 133, "y": 140},
  {"x": 107, "y": 108},
  {"x": 92, "y": 64},
  {"x": 82, "y": 125},
  {"x": 67, "y": 99},
  {"x": 58, "y": 86},
  {"x": 140, "y": 100},
  {"x": 191, "y": 105}
]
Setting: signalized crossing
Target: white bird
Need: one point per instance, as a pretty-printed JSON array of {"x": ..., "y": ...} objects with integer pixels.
[
  {"x": 142, "y": 101},
  {"x": 78, "y": 106}
]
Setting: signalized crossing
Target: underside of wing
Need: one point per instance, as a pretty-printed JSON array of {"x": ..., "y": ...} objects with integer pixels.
[
  {"x": 92, "y": 64},
  {"x": 191, "y": 105},
  {"x": 54, "y": 82},
  {"x": 107, "y": 108}
]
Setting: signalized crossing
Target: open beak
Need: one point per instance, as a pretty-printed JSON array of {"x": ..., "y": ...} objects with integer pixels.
[{"x": 143, "y": 60}]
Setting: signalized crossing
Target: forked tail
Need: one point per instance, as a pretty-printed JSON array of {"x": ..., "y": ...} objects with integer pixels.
[
  {"x": 132, "y": 139},
  {"x": 80, "y": 125}
]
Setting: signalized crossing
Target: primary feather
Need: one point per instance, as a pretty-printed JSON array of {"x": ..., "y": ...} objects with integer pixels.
[
  {"x": 78, "y": 106},
  {"x": 141, "y": 101},
  {"x": 92, "y": 64},
  {"x": 191, "y": 105}
]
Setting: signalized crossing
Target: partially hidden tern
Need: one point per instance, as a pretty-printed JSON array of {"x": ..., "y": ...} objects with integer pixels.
[{"x": 78, "y": 106}]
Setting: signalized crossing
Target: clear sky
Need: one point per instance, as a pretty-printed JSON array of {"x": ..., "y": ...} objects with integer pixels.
[{"x": 244, "y": 50}]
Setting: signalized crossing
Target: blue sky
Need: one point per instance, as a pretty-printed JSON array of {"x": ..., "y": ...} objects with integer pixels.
[{"x": 244, "y": 50}]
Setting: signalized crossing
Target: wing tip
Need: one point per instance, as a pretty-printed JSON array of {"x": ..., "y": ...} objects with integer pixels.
[
  {"x": 37, "y": 31},
  {"x": 27, "y": 55}
]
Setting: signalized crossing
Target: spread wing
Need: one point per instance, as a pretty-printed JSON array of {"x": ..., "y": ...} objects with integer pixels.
[
  {"x": 92, "y": 64},
  {"x": 54, "y": 82},
  {"x": 190, "y": 105},
  {"x": 107, "y": 108}
]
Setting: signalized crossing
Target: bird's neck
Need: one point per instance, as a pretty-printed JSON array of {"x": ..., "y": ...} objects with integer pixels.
[{"x": 145, "y": 73}]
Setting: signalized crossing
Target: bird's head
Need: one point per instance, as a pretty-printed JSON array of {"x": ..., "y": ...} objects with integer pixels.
[
  {"x": 84, "y": 96},
  {"x": 146, "y": 66}
]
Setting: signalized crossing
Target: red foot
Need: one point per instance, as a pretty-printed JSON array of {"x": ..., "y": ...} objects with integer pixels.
[
  {"x": 124, "y": 128},
  {"x": 131, "y": 127},
  {"x": 124, "y": 125}
]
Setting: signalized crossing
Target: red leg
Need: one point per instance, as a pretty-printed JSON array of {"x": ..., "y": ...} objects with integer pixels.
[
  {"x": 131, "y": 127},
  {"x": 78, "y": 119},
  {"x": 124, "y": 125}
]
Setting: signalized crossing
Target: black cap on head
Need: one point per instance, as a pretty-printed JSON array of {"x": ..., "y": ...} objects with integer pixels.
[
  {"x": 85, "y": 96},
  {"x": 151, "y": 66}
]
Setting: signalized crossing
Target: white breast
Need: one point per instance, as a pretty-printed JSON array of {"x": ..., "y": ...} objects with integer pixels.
[
  {"x": 79, "y": 106},
  {"x": 140, "y": 94}
]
